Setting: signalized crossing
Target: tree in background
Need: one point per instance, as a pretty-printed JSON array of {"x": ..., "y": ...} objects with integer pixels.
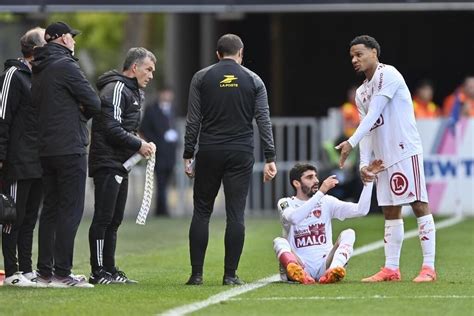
[{"x": 106, "y": 37}]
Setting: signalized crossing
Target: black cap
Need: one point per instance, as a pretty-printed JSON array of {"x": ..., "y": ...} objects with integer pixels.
[{"x": 58, "y": 29}]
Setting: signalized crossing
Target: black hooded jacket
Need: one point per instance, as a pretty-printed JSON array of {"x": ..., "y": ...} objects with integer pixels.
[
  {"x": 114, "y": 131},
  {"x": 18, "y": 124},
  {"x": 65, "y": 99}
]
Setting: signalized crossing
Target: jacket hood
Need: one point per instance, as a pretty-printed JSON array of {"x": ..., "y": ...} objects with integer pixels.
[
  {"x": 16, "y": 63},
  {"x": 114, "y": 75},
  {"x": 47, "y": 54}
]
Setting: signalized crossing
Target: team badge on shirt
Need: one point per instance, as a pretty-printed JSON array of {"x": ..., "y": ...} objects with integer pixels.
[{"x": 284, "y": 205}]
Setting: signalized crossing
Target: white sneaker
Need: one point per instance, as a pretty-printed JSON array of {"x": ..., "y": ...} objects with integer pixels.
[
  {"x": 70, "y": 281},
  {"x": 18, "y": 279},
  {"x": 32, "y": 276}
]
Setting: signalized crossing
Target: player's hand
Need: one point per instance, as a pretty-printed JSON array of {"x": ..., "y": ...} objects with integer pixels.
[
  {"x": 147, "y": 149},
  {"x": 366, "y": 175},
  {"x": 328, "y": 184},
  {"x": 376, "y": 166},
  {"x": 189, "y": 167},
  {"x": 345, "y": 148},
  {"x": 369, "y": 173},
  {"x": 269, "y": 171}
]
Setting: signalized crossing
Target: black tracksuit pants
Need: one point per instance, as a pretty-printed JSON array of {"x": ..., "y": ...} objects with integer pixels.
[
  {"x": 110, "y": 191},
  {"x": 64, "y": 181},
  {"x": 27, "y": 194},
  {"x": 234, "y": 170}
]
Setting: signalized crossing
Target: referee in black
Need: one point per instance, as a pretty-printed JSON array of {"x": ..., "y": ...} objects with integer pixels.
[{"x": 224, "y": 98}]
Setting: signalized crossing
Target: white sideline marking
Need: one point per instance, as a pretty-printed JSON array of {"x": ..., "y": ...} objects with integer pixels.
[
  {"x": 229, "y": 294},
  {"x": 342, "y": 298}
]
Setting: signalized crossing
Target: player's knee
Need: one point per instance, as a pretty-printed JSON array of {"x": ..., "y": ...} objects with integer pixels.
[
  {"x": 280, "y": 244},
  {"x": 420, "y": 208},
  {"x": 278, "y": 241},
  {"x": 348, "y": 235}
]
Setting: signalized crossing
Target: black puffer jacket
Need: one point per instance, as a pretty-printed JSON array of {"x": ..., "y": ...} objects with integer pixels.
[
  {"x": 18, "y": 124},
  {"x": 114, "y": 131},
  {"x": 65, "y": 99}
]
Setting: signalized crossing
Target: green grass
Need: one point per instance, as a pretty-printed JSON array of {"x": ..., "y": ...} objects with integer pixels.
[{"x": 157, "y": 256}]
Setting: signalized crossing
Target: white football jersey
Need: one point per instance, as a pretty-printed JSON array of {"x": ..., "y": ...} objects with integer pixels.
[
  {"x": 311, "y": 239},
  {"x": 394, "y": 136}
]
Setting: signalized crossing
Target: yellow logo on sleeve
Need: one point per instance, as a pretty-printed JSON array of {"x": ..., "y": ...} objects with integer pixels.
[{"x": 228, "y": 82}]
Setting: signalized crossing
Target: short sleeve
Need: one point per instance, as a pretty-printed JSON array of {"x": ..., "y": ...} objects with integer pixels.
[{"x": 388, "y": 81}]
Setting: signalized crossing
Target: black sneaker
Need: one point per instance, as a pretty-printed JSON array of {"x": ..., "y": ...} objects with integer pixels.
[
  {"x": 101, "y": 277},
  {"x": 229, "y": 280},
  {"x": 195, "y": 279},
  {"x": 121, "y": 278}
]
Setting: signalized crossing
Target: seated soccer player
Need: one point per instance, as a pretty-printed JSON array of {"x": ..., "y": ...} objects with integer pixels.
[{"x": 306, "y": 252}]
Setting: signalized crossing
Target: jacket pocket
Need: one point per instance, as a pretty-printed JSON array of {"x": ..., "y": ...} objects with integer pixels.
[{"x": 83, "y": 131}]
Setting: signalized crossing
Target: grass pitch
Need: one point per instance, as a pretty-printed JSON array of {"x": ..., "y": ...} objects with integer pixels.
[{"x": 157, "y": 256}]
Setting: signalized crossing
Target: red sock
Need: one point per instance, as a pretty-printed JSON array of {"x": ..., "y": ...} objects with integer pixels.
[{"x": 287, "y": 257}]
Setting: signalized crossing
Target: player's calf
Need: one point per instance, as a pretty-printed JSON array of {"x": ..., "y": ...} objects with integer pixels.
[{"x": 289, "y": 262}]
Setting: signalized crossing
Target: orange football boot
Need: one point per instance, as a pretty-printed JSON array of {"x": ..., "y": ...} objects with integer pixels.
[
  {"x": 296, "y": 273},
  {"x": 427, "y": 274},
  {"x": 385, "y": 274},
  {"x": 333, "y": 275}
]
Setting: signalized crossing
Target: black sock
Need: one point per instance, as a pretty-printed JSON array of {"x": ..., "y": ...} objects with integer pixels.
[
  {"x": 229, "y": 273},
  {"x": 197, "y": 270}
]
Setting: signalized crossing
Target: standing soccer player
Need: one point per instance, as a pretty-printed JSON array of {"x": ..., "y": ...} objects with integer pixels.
[{"x": 388, "y": 130}]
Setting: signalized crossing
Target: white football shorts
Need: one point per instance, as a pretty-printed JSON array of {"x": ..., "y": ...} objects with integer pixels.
[{"x": 402, "y": 183}]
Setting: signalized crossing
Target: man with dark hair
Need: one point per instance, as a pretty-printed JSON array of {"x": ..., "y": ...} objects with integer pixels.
[
  {"x": 114, "y": 140},
  {"x": 305, "y": 252},
  {"x": 388, "y": 130},
  {"x": 19, "y": 161},
  {"x": 66, "y": 101},
  {"x": 224, "y": 98},
  {"x": 367, "y": 41}
]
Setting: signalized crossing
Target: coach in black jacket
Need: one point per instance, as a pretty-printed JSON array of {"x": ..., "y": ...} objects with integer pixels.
[
  {"x": 223, "y": 101},
  {"x": 114, "y": 140},
  {"x": 19, "y": 160},
  {"x": 66, "y": 100}
]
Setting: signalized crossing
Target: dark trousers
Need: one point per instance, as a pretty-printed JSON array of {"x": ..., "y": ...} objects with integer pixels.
[
  {"x": 64, "y": 181},
  {"x": 163, "y": 177},
  {"x": 19, "y": 236},
  {"x": 110, "y": 193},
  {"x": 234, "y": 170}
]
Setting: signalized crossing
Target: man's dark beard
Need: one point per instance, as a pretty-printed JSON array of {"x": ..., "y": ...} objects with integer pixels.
[{"x": 307, "y": 190}]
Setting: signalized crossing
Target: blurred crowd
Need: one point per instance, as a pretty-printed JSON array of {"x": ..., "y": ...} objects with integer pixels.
[{"x": 459, "y": 102}]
